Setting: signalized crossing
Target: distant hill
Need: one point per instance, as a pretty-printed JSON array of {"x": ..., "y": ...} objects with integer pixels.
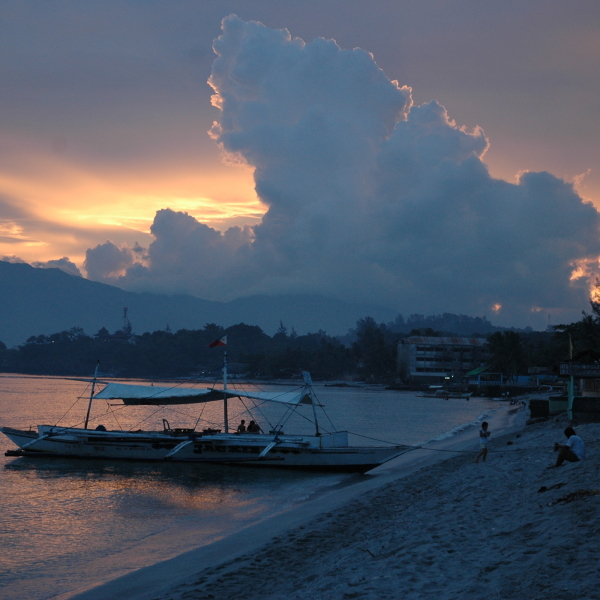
[
  {"x": 448, "y": 324},
  {"x": 45, "y": 301}
]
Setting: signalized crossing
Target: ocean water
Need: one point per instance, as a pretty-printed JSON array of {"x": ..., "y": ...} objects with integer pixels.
[{"x": 67, "y": 524}]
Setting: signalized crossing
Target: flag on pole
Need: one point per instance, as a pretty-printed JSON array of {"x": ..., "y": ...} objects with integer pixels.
[{"x": 220, "y": 342}]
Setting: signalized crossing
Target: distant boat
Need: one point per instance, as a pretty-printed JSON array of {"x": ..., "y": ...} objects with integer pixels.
[
  {"x": 445, "y": 394},
  {"x": 327, "y": 451}
]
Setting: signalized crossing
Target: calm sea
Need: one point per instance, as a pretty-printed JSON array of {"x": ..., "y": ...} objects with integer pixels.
[{"x": 68, "y": 524}]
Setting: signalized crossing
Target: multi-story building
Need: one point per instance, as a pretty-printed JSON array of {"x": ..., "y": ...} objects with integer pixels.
[{"x": 437, "y": 359}]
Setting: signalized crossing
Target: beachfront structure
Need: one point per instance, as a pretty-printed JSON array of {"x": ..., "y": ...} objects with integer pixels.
[
  {"x": 582, "y": 397},
  {"x": 586, "y": 377},
  {"x": 438, "y": 360},
  {"x": 481, "y": 377}
]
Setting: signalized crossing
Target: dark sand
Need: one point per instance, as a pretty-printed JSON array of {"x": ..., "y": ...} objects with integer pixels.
[{"x": 428, "y": 527}]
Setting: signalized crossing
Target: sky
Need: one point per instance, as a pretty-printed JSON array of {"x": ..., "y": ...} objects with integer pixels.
[{"x": 436, "y": 156}]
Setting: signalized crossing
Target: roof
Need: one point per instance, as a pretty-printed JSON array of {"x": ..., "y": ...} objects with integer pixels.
[{"x": 477, "y": 371}]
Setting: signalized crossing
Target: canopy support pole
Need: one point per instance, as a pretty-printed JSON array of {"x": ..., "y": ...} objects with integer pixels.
[
  {"x": 308, "y": 385},
  {"x": 315, "y": 416},
  {"x": 87, "y": 416},
  {"x": 225, "y": 416}
]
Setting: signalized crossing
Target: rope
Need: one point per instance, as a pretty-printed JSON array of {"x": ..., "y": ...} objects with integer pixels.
[
  {"x": 200, "y": 416},
  {"x": 258, "y": 409},
  {"x": 148, "y": 417},
  {"x": 260, "y": 412},
  {"x": 323, "y": 410},
  {"x": 295, "y": 411},
  {"x": 412, "y": 447},
  {"x": 113, "y": 414},
  {"x": 376, "y": 440},
  {"x": 72, "y": 405}
]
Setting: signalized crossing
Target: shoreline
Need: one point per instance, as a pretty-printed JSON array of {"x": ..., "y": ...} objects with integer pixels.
[
  {"x": 510, "y": 528},
  {"x": 161, "y": 580}
]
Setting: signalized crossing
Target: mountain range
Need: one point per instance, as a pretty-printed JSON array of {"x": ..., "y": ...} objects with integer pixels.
[{"x": 36, "y": 301}]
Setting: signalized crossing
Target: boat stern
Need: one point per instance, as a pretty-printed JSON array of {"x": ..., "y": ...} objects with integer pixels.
[{"x": 337, "y": 439}]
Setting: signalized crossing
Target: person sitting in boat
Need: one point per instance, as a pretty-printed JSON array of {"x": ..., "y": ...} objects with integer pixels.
[
  {"x": 242, "y": 427},
  {"x": 254, "y": 427}
]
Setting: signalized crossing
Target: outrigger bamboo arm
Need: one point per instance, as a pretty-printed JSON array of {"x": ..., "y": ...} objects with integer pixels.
[
  {"x": 267, "y": 449},
  {"x": 178, "y": 448},
  {"x": 43, "y": 437}
]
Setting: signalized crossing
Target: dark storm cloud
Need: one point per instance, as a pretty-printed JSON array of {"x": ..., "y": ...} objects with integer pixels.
[
  {"x": 107, "y": 261},
  {"x": 368, "y": 197},
  {"x": 186, "y": 256},
  {"x": 123, "y": 82}
]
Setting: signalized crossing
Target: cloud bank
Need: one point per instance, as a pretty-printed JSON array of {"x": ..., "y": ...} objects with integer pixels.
[
  {"x": 64, "y": 264},
  {"x": 369, "y": 198}
]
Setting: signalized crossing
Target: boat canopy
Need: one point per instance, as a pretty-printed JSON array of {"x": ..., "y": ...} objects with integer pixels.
[{"x": 159, "y": 396}]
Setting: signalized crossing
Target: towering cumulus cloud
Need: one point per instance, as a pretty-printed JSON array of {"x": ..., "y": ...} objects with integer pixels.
[{"x": 369, "y": 198}]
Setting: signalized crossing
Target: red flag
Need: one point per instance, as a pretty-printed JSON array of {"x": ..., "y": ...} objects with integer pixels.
[{"x": 220, "y": 342}]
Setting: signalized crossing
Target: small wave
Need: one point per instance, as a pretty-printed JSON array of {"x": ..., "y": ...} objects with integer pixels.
[
  {"x": 448, "y": 434},
  {"x": 453, "y": 431}
]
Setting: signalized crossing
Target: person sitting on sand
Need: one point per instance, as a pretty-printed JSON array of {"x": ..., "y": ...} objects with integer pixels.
[
  {"x": 484, "y": 434},
  {"x": 573, "y": 450},
  {"x": 242, "y": 427},
  {"x": 254, "y": 427}
]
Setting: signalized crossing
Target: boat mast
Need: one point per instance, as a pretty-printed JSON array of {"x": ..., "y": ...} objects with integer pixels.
[
  {"x": 87, "y": 416},
  {"x": 315, "y": 414},
  {"x": 225, "y": 418}
]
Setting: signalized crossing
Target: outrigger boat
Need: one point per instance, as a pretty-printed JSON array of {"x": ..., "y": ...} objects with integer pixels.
[{"x": 321, "y": 451}]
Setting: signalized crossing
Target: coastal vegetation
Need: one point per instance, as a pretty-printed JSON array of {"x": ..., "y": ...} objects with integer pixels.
[{"x": 368, "y": 352}]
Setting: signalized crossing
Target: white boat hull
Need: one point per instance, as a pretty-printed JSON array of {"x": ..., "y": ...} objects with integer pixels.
[{"x": 326, "y": 452}]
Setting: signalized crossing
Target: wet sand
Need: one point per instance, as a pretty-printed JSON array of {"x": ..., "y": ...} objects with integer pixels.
[{"x": 430, "y": 525}]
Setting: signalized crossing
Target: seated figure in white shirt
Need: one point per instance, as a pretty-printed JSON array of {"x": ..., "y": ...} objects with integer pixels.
[{"x": 572, "y": 451}]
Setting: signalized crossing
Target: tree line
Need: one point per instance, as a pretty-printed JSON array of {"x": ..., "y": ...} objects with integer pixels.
[
  {"x": 368, "y": 352},
  {"x": 186, "y": 353}
]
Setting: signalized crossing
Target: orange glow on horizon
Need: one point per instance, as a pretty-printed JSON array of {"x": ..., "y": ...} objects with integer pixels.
[{"x": 66, "y": 209}]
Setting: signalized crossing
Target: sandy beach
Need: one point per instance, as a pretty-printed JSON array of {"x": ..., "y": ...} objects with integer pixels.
[{"x": 434, "y": 525}]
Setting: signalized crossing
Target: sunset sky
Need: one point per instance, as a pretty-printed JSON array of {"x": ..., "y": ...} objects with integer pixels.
[{"x": 372, "y": 166}]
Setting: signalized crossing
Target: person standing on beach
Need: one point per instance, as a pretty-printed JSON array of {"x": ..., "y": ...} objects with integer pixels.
[
  {"x": 484, "y": 434},
  {"x": 573, "y": 450}
]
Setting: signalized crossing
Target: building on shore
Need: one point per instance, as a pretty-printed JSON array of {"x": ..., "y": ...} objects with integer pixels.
[
  {"x": 482, "y": 377},
  {"x": 580, "y": 395},
  {"x": 440, "y": 360}
]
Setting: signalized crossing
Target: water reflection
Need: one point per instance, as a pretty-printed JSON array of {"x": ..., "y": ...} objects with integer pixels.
[
  {"x": 66, "y": 513},
  {"x": 71, "y": 522},
  {"x": 191, "y": 478}
]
